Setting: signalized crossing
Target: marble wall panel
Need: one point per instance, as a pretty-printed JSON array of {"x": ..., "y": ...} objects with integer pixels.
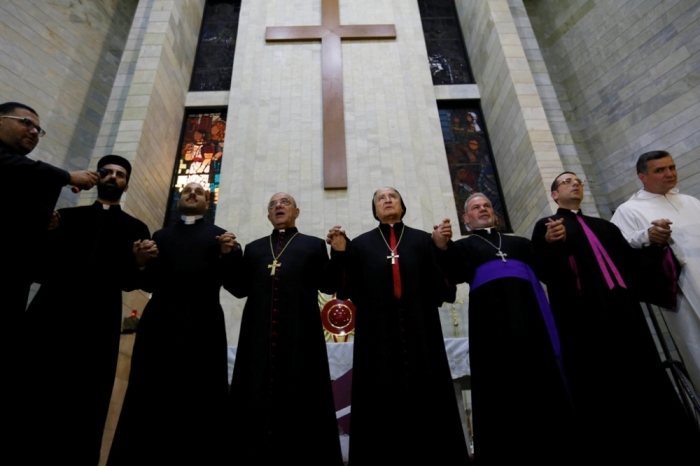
[
  {"x": 62, "y": 59},
  {"x": 521, "y": 137},
  {"x": 628, "y": 73}
]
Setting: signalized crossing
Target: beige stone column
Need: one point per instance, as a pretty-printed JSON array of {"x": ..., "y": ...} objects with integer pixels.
[
  {"x": 524, "y": 148},
  {"x": 143, "y": 124},
  {"x": 627, "y": 72}
]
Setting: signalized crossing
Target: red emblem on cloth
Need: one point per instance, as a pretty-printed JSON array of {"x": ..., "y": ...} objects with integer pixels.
[{"x": 338, "y": 317}]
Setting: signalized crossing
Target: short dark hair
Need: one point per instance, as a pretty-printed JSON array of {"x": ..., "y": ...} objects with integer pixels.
[
  {"x": 9, "y": 107},
  {"x": 644, "y": 159},
  {"x": 554, "y": 183}
]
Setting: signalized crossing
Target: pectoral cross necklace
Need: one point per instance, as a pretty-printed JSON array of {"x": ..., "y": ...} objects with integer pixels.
[
  {"x": 393, "y": 255},
  {"x": 500, "y": 253},
  {"x": 275, "y": 263}
]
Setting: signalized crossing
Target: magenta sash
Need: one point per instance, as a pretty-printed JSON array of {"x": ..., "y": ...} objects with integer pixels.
[{"x": 602, "y": 257}]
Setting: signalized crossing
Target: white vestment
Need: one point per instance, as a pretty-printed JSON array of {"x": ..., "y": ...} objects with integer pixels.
[{"x": 634, "y": 217}]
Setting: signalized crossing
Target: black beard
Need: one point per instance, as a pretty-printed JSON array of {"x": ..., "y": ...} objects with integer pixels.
[{"x": 109, "y": 192}]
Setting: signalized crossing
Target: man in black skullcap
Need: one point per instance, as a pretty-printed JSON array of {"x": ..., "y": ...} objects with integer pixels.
[{"x": 73, "y": 324}]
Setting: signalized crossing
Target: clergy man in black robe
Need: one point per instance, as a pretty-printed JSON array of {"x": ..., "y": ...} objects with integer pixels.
[
  {"x": 74, "y": 321},
  {"x": 34, "y": 186},
  {"x": 625, "y": 404},
  {"x": 521, "y": 407},
  {"x": 282, "y": 409},
  {"x": 175, "y": 403},
  {"x": 404, "y": 409}
]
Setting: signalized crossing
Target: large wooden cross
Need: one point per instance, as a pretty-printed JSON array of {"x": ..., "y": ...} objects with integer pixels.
[{"x": 330, "y": 32}]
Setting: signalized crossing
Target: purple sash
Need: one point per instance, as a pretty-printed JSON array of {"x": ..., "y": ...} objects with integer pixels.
[{"x": 515, "y": 269}]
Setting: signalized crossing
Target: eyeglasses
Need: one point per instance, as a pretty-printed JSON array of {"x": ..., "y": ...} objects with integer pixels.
[
  {"x": 568, "y": 181},
  {"x": 29, "y": 124},
  {"x": 285, "y": 202}
]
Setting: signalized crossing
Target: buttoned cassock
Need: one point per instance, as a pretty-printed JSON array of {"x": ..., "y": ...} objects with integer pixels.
[
  {"x": 89, "y": 291},
  {"x": 36, "y": 186},
  {"x": 174, "y": 409},
  {"x": 634, "y": 218},
  {"x": 620, "y": 389},
  {"x": 281, "y": 380},
  {"x": 404, "y": 410}
]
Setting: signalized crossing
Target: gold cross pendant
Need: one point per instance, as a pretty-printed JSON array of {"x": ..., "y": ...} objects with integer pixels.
[{"x": 274, "y": 266}]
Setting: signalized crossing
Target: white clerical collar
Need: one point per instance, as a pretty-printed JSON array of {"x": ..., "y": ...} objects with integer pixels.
[
  {"x": 487, "y": 229},
  {"x": 104, "y": 205},
  {"x": 644, "y": 194},
  {"x": 190, "y": 219}
]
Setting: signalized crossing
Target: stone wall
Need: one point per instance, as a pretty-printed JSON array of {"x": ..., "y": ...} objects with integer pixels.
[
  {"x": 61, "y": 58},
  {"x": 274, "y": 132},
  {"x": 149, "y": 102},
  {"x": 143, "y": 124},
  {"x": 628, "y": 73},
  {"x": 553, "y": 105},
  {"x": 524, "y": 148}
]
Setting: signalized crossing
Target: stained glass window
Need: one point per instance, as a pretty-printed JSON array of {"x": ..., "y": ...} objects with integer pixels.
[
  {"x": 199, "y": 158},
  {"x": 449, "y": 63},
  {"x": 217, "y": 43},
  {"x": 470, "y": 158}
]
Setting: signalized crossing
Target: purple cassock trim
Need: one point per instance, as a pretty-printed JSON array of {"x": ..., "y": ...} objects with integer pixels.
[
  {"x": 515, "y": 269},
  {"x": 602, "y": 256},
  {"x": 574, "y": 268},
  {"x": 671, "y": 273}
]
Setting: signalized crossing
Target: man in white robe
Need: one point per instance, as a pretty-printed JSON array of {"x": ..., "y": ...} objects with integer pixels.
[{"x": 660, "y": 215}]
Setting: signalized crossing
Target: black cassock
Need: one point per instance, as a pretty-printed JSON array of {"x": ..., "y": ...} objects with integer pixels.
[
  {"x": 520, "y": 406},
  {"x": 175, "y": 403},
  {"x": 36, "y": 186},
  {"x": 625, "y": 403},
  {"x": 404, "y": 408},
  {"x": 72, "y": 331},
  {"x": 282, "y": 407}
]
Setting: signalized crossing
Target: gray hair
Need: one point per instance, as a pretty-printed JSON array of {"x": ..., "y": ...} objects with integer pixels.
[{"x": 477, "y": 194}]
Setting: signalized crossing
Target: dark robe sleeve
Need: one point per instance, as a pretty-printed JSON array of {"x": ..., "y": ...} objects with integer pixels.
[
  {"x": 34, "y": 171},
  {"x": 329, "y": 272},
  {"x": 445, "y": 289},
  {"x": 150, "y": 273},
  {"x": 30, "y": 221},
  {"x": 649, "y": 282},
  {"x": 549, "y": 258},
  {"x": 455, "y": 262},
  {"x": 240, "y": 276},
  {"x": 235, "y": 281},
  {"x": 131, "y": 272},
  {"x": 337, "y": 270}
]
